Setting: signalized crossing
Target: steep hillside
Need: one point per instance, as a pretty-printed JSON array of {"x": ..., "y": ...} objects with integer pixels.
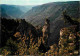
[
  {"x": 4, "y": 14},
  {"x": 51, "y": 11},
  {"x": 15, "y": 11}
]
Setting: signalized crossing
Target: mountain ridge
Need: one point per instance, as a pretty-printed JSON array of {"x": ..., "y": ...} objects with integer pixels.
[
  {"x": 15, "y": 11},
  {"x": 51, "y": 10}
]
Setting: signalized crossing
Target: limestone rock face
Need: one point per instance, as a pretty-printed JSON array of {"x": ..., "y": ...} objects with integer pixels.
[
  {"x": 68, "y": 40},
  {"x": 46, "y": 31},
  {"x": 71, "y": 36}
]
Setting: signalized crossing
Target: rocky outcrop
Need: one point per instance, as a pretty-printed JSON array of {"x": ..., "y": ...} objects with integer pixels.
[
  {"x": 46, "y": 32},
  {"x": 68, "y": 42}
]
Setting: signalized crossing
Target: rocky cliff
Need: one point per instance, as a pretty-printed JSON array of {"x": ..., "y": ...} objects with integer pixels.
[{"x": 69, "y": 41}]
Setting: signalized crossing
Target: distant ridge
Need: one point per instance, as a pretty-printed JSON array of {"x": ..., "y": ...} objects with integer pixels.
[
  {"x": 52, "y": 11},
  {"x": 15, "y": 11}
]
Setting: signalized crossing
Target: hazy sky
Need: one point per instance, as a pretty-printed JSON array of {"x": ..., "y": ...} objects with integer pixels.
[{"x": 30, "y": 2}]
